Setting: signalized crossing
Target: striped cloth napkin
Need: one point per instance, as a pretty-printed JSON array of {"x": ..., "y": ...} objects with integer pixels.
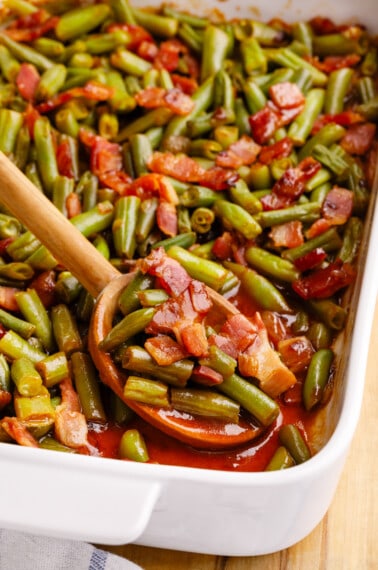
[{"x": 21, "y": 551}]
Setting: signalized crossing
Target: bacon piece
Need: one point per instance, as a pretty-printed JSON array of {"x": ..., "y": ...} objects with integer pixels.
[
  {"x": 17, "y": 431},
  {"x": 92, "y": 90},
  {"x": 45, "y": 284},
  {"x": 70, "y": 424},
  {"x": 188, "y": 85},
  {"x": 325, "y": 282},
  {"x": 174, "y": 278},
  {"x": 287, "y": 235},
  {"x": 334, "y": 62},
  {"x": 169, "y": 53},
  {"x": 243, "y": 152},
  {"x": 150, "y": 185},
  {"x": 217, "y": 178},
  {"x": 174, "y": 99},
  {"x": 164, "y": 350},
  {"x": 194, "y": 340},
  {"x": 8, "y": 299},
  {"x": 73, "y": 205},
  {"x": 274, "y": 201},
  {"x": 261, "y": 361},
  {"x": 338, "y": 205},
  {"x": 27, "y": 81},
  {"x": 311, "y": 259},
  {"x": 30, "y": 116},
  {"x": 317, "y": 228},
  {"x": 344, "y": 119},
  {"x": 148, "y": 51},
  {"x": 293, "y": 181},
  {"x": 286, "y": 95},
  {"x": 31, "y": 27},
  {"x": 199, "y": 296},
  {"x": 206, "y": 376},
  {"x": 180, "y": 166},
  {"x": 277, "y": 326},
  {"x": 296, "y": 353},
  {"x": 5, "y": 398},
  {"x": 65, "y": 159},
  {"x": 358, "y": 138},
  {"x": 264, "y": 124},
  {"x": 277, "y": 150},
  {"x": 222, "y": 248},
  {"x": 166, "y": 218},
  {"x": 137, "y": 34}
]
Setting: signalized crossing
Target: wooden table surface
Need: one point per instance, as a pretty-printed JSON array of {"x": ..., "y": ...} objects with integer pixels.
[{"x": 346, "y": 539}]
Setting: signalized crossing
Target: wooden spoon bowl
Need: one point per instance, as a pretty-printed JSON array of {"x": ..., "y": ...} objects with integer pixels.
[{"x": 105, "y": 283}]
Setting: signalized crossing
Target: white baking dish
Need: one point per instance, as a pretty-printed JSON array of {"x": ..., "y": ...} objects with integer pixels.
[{"x": 115, "y": 502}]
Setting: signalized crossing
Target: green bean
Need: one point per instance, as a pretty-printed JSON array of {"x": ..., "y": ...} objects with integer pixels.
[
  {"x": 301, "y": 127},
  {"x": 21, "y": 327},
  {"x": 141, "y": 152},
  {"x": 13, "y": 346},
  {"x": 65, "y": 329},
  {"x": 66, "y": 122},
  {"x": 335, "y": 44},
  {"x": 68, "y": 287},
  {"x": 307, "y": 213},
  {"x": 9, "y": 66},
  {"x": 219, "y": 361},
  {"x": 123, "y": 11},
  {"x": 34, "y": 311},
  {"x": 22, "y": 147},
  {"x": 22, "y": 52},
  {"x": 10, "y": 125},
  {"x": 183, "y": 240},
  {"x": 292, "y": 439},
  {"x": 202, "y": 219},
  {"x": 317, "y": 377},
  {"x": 163, "y": 26},
  {"x": 329, "y": 241},
  {"x": 243, "y": 197},
  {"x": 254, "y": 96},
  {"x": 53, "y": 369},
  {"x": 49, "y": 47},
  {"x": 351, "y": 240},
  {"x": 21, "y": 7},
  {"x": 254, "y": 400},
  {"x": 183, "y": 17},
  {"x": 287, "y": 58},
  {"x": 129, "y": 62},
  {"x": 259, "y": 288},
  {"x": 146, "y": 218},
  {"x": 9, "y": 226},
  {"x": 302, "y": 32},
  {"x": 205, "y": 403},
  {"x": 137, "y": 359},
  {"x": 95, "y": 220},
  {"x": 199, "y": 196},
  {"x": 131, "y": 324},
  {"x": 50, "y": 443},
  {"x": 339, "y": 83},
  {"x": 87, "y": 387},
  {"x": 369, "y": 65},
  {"x": 132, "y": 446},
  {"x": 39, "y": 406},
  {"x": 271, "y": 265},
  {"x": 124, "y": 225},
  {"x": 147, "y": 391},
  {"x": 210, "y": 272},
  {"x": 5, "y": 379},
  {"x": 62, "y": 187},
  {"x": 79, "y": 21},
  {"x": 236, "y": 217},
  {"x": 281, "y": 460},
  {"x": 190, "y": 37},
  {"x": 152, "y": 297},
  {"x": 17, "y": 271},
  {"x": 155, "y": 118},
  {"x": 46, "y": 159},
  {"x": 330, "y": 313},
  {"x": 319, "y": 335}
]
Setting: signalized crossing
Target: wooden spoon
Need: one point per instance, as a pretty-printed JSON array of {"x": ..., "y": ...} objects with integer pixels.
[{"x": 105, "y": 283}]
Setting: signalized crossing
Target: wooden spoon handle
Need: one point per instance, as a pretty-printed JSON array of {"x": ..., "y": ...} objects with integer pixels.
[{"x": 53, "y": 230}]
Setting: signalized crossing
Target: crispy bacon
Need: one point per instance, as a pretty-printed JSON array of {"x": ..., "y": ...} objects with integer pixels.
[
  {"x": 358, "y": 138},
  {"x": 277, "y": 150},
  {"x": 92, "y": 90},
  {"x": 71, "y": 427},
  {"x": 166, "y": 218},
  {"x": 243, "y": 152},
  {"x": 186, "y": 169},
  {"x": 296, "y": 353},
  {"x": 265, "y": 122},
  {"x": 164, "y": 349},
  {"x": 65, "y": 159},
  {"x": 194, "y": 340},
  {"x": 200, "y": 297},
  {"x": 317, "y": 228},
  {"x": 73, "y": 205},
  {"x": 325, "y": 282},
  {"x": 174, "y": 99},
  {"x": 150, "y": 185},
  {"x": 172, "y": 275},
  {"x": 311, "y": 259},
  {"x": 344, "y": 119},
  {"x": 8, "y": 299},
  {"x": 286, "y": 95},
  {"x": 17, "y": 431},
  {"x": 27, "y": 81},
  {"x": 261, "y": 361},
  {"x": 30, "y": 116},
  {"x": 334, "y": 62},
  {"x": 338, "y": 205},
  {"x": 293, "y": 181},
  {"x": 187, "y": 85},
  {"x": 5, "y": 398},
  {"x": 32, "y": 26},
  {"x": 206, "y": 376},
  {"x": 45, "y": 284},
  {"x": 168, "y": 56},
  {"x": 287, "y": 235}
]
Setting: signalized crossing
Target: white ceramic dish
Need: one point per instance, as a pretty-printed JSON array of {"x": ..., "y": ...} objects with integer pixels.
[{"x": 205, "y": 511}]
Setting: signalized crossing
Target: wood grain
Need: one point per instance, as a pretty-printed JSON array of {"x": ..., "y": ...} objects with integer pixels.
[{"x": 346, "y": 539}]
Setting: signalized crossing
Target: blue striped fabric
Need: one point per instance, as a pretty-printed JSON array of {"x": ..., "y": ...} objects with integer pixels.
[{"x": 98, "y": 560}]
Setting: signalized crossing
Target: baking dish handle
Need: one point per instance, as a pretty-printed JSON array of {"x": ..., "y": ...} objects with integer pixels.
[{"x": 81, "y": 501}]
